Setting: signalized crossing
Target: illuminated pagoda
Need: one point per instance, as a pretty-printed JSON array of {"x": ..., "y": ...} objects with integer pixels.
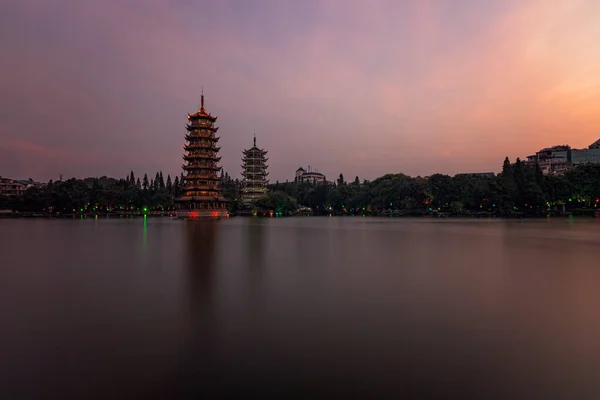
[
  {"x": 254, "y": 172},
  {"x": 201, "y": 195}
]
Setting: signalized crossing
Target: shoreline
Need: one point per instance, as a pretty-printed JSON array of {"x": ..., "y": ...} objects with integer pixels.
[{"x": 34, "y": 215}]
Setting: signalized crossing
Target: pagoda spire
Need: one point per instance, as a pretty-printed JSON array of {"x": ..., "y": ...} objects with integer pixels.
[
  {"x": 255, "y": 140},
  {"x": 202, "y": 98}
]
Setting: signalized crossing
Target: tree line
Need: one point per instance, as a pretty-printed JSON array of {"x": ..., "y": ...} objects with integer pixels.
[
  {"x": 519, "y": 189},
  {"x": 98, "y": 194}
]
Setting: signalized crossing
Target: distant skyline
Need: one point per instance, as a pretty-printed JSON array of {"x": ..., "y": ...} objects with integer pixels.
[{"x": 355, "y": 87}]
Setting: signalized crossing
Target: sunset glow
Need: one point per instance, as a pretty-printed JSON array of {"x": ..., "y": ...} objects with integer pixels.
[{"x": 352, "y": 87}]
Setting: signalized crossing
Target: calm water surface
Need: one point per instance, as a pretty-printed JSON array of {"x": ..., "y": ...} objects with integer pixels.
[{"x": 300, "y": 307}]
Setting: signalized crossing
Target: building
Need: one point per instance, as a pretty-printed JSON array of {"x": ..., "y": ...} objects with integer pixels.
[
  {"x": 202, "y": 193},
  {"x": 552, "y": 160},
  {"x": 254, "y": 173},
  {"x": 11, "y": 187},
  {"x": 557, "y": 160},
  {"x": 585, "y": 156},
  {"x": 310, "y": 176}
]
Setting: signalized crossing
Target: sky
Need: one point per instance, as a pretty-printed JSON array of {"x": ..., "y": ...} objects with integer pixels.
[{"x": 363, "y": 88}]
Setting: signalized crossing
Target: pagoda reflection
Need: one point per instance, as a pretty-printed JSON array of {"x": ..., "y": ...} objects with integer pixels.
[{"x": 201, "y": 248}]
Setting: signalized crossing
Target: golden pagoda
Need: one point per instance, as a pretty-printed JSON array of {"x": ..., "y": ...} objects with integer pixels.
[{"x": 202, "y": 195}]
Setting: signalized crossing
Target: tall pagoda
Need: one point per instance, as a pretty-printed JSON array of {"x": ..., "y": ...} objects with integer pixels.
[
  {"x": 254, "y": 172},
  {"x": 202, "y": 195}
]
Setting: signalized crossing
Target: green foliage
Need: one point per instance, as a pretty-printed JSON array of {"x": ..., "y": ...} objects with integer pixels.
[
  {"x": 520, "y": 188},
  {"x": 279, "y": 202},
  {"x": 91, "y": 195}
]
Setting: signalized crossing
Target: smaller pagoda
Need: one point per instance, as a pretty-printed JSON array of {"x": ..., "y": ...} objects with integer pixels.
[
  {"x": 202, "y": 195},
  {"x": 254, "y": 173}
]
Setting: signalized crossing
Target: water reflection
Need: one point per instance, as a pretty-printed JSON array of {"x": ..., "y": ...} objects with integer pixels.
[
  {"x": 145, "y": 234},
  {"x": 255, "y": 251},
  {"x": 341, "y": 307},
  {"x": 201, "y": 242},
  {"x": 198, "y": 357}
]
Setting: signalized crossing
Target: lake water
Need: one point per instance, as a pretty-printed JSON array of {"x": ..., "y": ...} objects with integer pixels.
[{"x": 300, "y": 307}]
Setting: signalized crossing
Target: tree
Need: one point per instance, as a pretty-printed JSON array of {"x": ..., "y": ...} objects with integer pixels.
[
  {"x": 506, "y": 167},
  {"x": 356, "y": 181},
  {"x": 138, "y": 184},
  {"x": 161, "y": 181},
  {"x": 278, "y": 202},
  {"x": 145, "y": 182},
  {"x": 520, "y": 182},
  {"x": 169, "y": 185},
  {"x": 507, "y": 184},
  {"x": 176, "y": 189},
  {"x": 131, "y": 178},
  {"x": 340, "y": 180}
]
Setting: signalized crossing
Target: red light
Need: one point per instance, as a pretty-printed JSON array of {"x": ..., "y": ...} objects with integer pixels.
[
  {"x": 597, "y": 200},
  {"x": 194, "y": 214}
]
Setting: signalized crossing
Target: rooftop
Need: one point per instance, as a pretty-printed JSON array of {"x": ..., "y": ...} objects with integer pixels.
[{"x": 201, "y": 113}]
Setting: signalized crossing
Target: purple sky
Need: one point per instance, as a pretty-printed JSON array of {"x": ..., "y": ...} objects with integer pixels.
[{"x": 92, "y": 88}]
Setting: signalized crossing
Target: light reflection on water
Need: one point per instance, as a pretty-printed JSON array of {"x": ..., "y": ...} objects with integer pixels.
[{"x": 354, "y": 307}]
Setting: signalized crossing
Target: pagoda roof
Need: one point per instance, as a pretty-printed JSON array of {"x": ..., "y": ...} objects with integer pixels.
[
  {"x": 198, "y": 167},
  {"x": 203, "y": 188},
  {"x": 255, "y": 150},
  {"x": 261, "y": 162},
  {"x": 190, "y": 181},
  {"x": 202, "y": 113}
]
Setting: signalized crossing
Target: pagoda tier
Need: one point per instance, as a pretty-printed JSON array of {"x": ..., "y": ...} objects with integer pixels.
[
  {"x": 208, "y": 176},
  {"x": 255, "y": 169},
  {"x": 201, "y": 138},
  {"x": 202, "y": 188},
  {"x": 257, "y": 160},
  {"x": 194, "y": 128},
  {"x": 256, "y": 174},
  {"x": 200, "y": 167},
  {"x": 202, "y": 193},
  {"x": 208, "y": 157},
  {"x": 191, "y": 182},
  {"x": 202, "y": 115},
  {"x": 257, "y": 152},
  {"x": 200, "y": 146}
]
